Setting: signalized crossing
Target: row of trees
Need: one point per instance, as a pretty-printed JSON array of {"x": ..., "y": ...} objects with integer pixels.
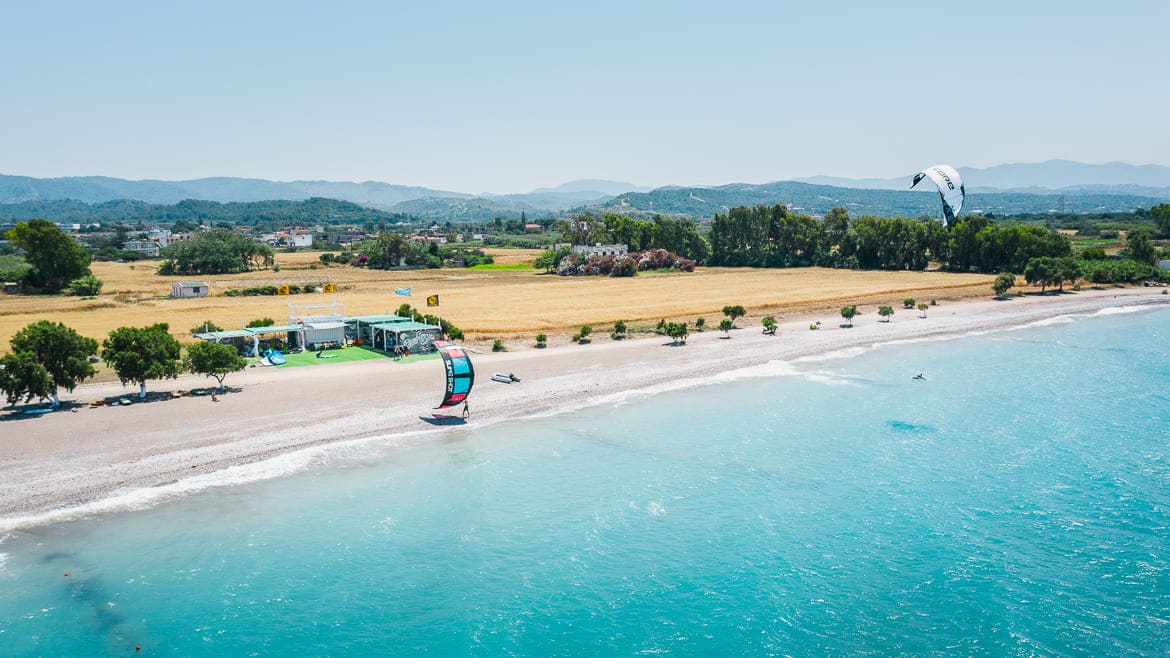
[
  {"x": 48, "y": 356},
  {"x": 766, "y": 236}
]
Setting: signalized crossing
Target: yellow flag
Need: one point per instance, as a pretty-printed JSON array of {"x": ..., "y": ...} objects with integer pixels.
[
  {"x": 283, "y": 290},
  {"x": 432, "y": 300},
  {"x": 328, "y": 287}
]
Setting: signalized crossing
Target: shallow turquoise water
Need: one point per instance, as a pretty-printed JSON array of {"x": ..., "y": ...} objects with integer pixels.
[{"x": 1015, "y": 503}]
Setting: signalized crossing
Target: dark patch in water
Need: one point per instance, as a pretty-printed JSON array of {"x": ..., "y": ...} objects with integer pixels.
[{"x": 902, "y": 426}]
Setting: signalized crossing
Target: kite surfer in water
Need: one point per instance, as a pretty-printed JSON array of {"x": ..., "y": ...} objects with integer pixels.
[{"x": 920, "y": 376}]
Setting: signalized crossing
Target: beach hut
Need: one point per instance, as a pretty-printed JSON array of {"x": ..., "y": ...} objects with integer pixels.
[
  {"x": 410, "y": 335},
  {"x": 319, "y": 335},
  {"x": 360, "y": 327},
  {"x": 244, "y": 340},
  {"x": 189, "y": 289}
]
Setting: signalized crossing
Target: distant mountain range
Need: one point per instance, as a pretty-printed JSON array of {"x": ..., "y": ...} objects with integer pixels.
[
  {"x": 97, "y": 189},
  {"x": 704, "y": 202},
  {"x": 1053, "y": 176},
  {"x": 1053, "y": 186}
]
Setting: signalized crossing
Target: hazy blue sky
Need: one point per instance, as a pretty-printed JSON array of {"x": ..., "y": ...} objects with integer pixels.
[{"x": 505, "y": 97}]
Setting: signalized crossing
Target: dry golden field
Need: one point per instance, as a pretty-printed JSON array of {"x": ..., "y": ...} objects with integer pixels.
[{"x": 485, "y": 304}]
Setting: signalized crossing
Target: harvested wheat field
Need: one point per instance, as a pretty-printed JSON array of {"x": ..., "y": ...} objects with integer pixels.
[{"x": 485, "y": 304}]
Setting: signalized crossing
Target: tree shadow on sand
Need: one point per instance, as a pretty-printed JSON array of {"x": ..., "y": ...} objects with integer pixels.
[
  {"x": 39, "y": 409},
  {"x": 36, "y": 410}
]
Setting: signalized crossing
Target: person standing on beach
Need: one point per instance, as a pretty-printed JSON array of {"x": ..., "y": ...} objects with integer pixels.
[{"x": 466, "y": 411}]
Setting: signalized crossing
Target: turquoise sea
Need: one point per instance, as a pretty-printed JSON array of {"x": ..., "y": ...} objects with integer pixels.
[{"x": 1016, "y": 502}]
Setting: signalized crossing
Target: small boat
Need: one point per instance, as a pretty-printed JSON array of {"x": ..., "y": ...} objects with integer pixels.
[{"x": 505, "y": 378}]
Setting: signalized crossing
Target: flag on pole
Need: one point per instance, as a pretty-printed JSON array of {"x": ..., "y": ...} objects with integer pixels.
[
  {"x": 404, "y": 292},
  {"x": 433, "y": 300}
]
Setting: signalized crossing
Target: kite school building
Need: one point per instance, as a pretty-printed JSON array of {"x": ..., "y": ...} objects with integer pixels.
[{"x": 381, "y": 332}]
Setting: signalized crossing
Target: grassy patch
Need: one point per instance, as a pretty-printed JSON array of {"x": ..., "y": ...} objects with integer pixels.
[
  {"x": 345, "y": 355},
  {"x": 494, "y": 267}
]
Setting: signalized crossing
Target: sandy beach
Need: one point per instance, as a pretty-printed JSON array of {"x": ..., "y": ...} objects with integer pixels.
[{"x": 66, "y": 463}]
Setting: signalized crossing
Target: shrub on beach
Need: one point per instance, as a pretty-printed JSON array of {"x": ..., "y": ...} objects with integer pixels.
[
  {"x": 206, "y": 326},
  {"x": 677, "y": 331},
  {"x": 908, "y": 302},
  {"x": 498, "y": 346}
]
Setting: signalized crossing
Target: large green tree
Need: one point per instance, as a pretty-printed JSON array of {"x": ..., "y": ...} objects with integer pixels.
[
  {"x": 138, "y": 354},
  {"x": 1043, "y": 271},
  {"x": 22, "y": 376},
  {"x": 54, "y": 258},
  {"x": 214, "y": 360},
  {"x": 1161, "y": 216},
  {"x": 215, "y": 252},
  {"x": 1138, "y": 247},
  {"x": 46, "y": 356},
  {"x": 388, "y": 250}
]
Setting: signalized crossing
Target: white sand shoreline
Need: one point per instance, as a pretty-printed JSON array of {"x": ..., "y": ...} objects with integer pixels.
[{"x": 64, "y": 465}]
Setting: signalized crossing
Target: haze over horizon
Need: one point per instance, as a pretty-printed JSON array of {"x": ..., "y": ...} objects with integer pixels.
[{"x": 471, "y": 98}]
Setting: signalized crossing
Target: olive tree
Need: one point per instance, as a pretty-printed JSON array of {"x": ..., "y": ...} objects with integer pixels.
[
  {"x": 849, "y": 312},
  {"x": 45, "y": 356},
  {"x": 734, "y": 312},
  {"x": 1004, "y": 282},
  {"x": 214, "y": 360},
  {"x": 138, "y": 354}
]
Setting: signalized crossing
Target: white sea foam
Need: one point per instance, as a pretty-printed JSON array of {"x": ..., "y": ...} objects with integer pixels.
[
  {"x": 1120, "y": 310},
  {"x": 1060, "y": 319},
  {"x": 775, "y": 368},
  {"x": 829, "y": 378},
  {"x": 844, "y": 353},
  {"x": 3, "y": 564},
  {"x": 265, "y": 469}
]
